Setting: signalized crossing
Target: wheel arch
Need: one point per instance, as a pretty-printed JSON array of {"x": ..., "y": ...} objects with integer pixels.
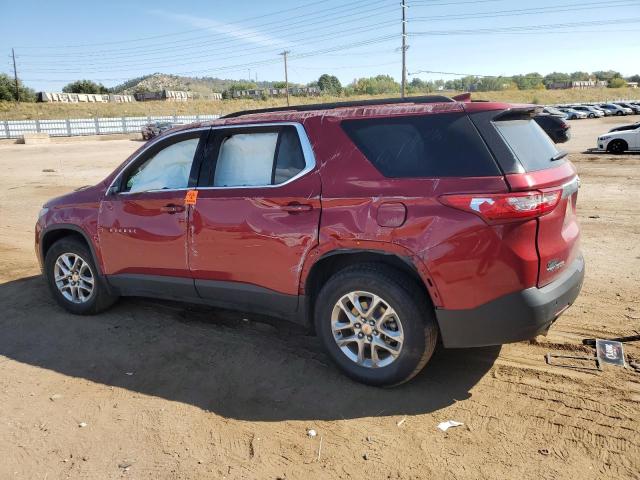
[
  {"x": 336, "y": 260},
  {"x": 58, "y": 231}
]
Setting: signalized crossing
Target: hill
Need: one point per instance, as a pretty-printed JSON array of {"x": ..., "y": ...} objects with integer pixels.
[{"x": 198, "y": 85}]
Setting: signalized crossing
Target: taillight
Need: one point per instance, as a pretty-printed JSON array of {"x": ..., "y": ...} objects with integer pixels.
[{"x": 505, "y": 207}]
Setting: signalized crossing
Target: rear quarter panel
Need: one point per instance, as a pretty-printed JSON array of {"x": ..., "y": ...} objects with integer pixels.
[{"x": 462, "y": 261}]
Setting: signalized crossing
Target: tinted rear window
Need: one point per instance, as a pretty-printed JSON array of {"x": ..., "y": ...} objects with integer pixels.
[
  {"x": 438, "y": 145},
  {"x": 528, "y": 142}
]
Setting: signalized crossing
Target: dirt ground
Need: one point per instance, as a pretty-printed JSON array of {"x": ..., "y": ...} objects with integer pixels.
[{"x": 155, "y": 390}]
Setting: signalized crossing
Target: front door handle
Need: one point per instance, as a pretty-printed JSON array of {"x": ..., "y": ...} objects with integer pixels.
[
  {"x": 297, "y": 207},
  {"x": 172, "y": 208}
]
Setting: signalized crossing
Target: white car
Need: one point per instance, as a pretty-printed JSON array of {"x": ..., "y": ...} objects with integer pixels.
[
  {"x": 619, "y": 141},
  {"x": 616, "y": 109},
  {"x": 590, "y": 111}
]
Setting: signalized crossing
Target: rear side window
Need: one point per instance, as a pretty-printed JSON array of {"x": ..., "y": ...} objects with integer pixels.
[
  {"x": 260, "y": 158},
  {"x": 439, "y": 145},
  {"x": 528, "y": 142}
]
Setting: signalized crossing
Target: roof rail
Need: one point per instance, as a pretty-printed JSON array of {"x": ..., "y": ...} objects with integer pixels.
[{"x": 359, "y": 103}]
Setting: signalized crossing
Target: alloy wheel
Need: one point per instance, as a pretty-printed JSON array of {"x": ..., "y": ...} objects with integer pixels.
[
  {"x": 74, "y": 277},
  {"x": 367, "y": 329}
]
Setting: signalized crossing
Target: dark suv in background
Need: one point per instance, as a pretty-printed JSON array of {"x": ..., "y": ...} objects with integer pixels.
[{"x": 385, "y": 225}]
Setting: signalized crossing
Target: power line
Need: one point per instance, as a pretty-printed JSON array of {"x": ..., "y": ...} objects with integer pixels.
[
  {"x": 201, "y": 58},
  {"x": 212, "y": 52},
  {"x": 331, "y": 13},
  {"x": 154, "y": 37},
  {"x": 533, "y": 11},
  {"x": 243, "y": 67},
  {"x": 536, "y": 28}
]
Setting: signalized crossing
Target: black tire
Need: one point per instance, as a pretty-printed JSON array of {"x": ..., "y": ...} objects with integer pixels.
[
  {"x": 617, "y": 147},
  {"x": 592, "y": 115},
  {"x": 100, "y": 298},
  {"x": 619, "y": 113},
  {"x": 414, "y": 311}
]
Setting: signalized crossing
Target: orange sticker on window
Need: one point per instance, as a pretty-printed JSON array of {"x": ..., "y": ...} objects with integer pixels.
[{"x": 191, "y": 197}]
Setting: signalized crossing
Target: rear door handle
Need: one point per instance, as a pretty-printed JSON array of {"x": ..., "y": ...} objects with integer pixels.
[
  {"x": 297, "y": 207},
  {"x": 172, "y": 208}
]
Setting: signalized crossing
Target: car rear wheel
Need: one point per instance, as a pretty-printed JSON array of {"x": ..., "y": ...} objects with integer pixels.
[
  {"x": 74, "y": 280},
  {"x": 376, "y": 324},
  {"x": 619, "y": 113},
  {"x": 617, "y": 146}
]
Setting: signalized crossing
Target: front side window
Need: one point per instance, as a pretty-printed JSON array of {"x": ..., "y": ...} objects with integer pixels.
[
  {"x": 168, "y": 169},
  {"x": 253, "y": 159}
]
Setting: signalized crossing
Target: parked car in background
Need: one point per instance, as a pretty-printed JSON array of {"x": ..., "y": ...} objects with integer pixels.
[
  {"x": 589, "y": 110},
  {"x": 635, "y": 108},
  {"x": 607, "y": 113},
  {"x": 556, "y": 127},
  {"x": 554, "y": 111},
  {"x": 621, "y": 139},
  {"x": 154, "y": 129},
  {"x": 616, "y": 109},
  {"x": 572, "y": 114},
  {"x": 389, "y": 229}
]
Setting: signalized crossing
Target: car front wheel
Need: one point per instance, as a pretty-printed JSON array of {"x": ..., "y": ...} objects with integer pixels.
[
  {"x": 617, "y": 146},
  {"x": 376, "y": 324},
  {"x": 74, "y": 280}
]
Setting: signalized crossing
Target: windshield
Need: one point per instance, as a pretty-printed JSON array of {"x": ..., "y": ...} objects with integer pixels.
[{"x": 528, "y": 142}]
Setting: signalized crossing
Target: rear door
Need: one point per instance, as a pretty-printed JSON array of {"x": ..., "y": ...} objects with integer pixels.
[
  {"x": 257, "y": 215},
  {"x": 541, "y": 166}
]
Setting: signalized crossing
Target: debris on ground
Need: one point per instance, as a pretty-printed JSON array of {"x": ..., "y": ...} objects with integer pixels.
[
  {"x": 82, "y": 424},
  {"x": 399, "y": 424},
  {"x": 444, "y": 426},
  {"x": 311, "y": 433},
  {"x": 55, "y": 396}
]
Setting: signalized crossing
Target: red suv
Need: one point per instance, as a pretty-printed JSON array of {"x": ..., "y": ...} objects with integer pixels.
[{"x": 384, "y": 225}]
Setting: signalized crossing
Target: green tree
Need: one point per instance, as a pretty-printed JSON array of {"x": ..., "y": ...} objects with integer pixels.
[
  {"x": 530, "y": 81},
  {"x": 8, "y": 90},
  {"x": 375, "y": 85},
  {"x": 84, "y": 86},
  {"x": 606, "y": 75},
  {"x": 617, "y": 82},
  {"x": 555, "y": 77},
  {"x": 329, "y": 84},
  {"x": 580, "y": 76},
  {"x": 634, "y": 78}
]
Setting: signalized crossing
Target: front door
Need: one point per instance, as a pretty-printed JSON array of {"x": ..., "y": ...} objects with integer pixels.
[
  {"x": 143, "y": 220},
  {"x": 257, "y": 215}
]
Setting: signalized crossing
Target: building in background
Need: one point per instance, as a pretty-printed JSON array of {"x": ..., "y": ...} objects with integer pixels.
[
  {"x": 578, "y": 84},
  {"x": 61, "y": 97},
  {"x": 165, "y": 95},
  {"x": 276, "y": 92}
]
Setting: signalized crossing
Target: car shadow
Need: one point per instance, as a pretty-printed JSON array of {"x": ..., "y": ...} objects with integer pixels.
[{"x": 220, "y": 361}]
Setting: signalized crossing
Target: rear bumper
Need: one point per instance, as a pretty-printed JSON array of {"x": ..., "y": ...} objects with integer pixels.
[{"x": 515, "y": 317}]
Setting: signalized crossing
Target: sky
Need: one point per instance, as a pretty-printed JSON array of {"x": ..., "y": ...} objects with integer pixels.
[{"x": 60, "y": 41}]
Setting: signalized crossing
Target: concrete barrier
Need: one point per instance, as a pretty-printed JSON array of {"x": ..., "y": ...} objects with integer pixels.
[{"x": 34, "y": 138}]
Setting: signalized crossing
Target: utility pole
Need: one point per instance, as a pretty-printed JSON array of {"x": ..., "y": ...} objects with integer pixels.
[
  {"x": 15, "y": 75},
  {"x": 404, "y": 48},
  {"x": 286, "y": 75}
]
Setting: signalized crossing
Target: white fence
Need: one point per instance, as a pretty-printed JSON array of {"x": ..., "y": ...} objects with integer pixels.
[{"x": 89, "y": 126}]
